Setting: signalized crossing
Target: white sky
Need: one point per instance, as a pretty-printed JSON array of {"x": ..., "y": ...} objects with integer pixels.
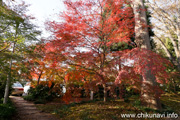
[{"x": 44, "y": 10}]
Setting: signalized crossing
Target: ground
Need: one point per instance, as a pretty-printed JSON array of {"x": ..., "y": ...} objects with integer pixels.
[
  {"x": 91, "y": 110},
  {"x": 27, "y": 110},
  {"x": 111, "y": 110}
]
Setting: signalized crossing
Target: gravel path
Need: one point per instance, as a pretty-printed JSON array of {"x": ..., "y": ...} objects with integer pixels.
[{"x": 27, "y": 110}]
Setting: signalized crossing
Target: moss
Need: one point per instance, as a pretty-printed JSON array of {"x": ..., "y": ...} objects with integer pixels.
[{"x": 110, "y": 110}]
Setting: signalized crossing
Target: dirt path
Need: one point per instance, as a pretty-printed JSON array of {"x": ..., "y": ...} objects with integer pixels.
[{"x": 27, "y": 110}]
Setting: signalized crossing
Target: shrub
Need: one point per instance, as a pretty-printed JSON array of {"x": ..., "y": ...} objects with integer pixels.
[
  {"x": 6, "y": 110},
  {"x": 137, "y": 103},
  {"x": 2, "y": 88},
  {"x": 40, "y": 101},
  {"x": 41, "y": 93},
  {"x": 29, "y": 97}
]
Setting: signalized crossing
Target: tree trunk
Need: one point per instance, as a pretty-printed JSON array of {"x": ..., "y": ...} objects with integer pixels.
[
  {"x": 165, "y": 48},
  {"x": 141, "y": 30},
  {"x": 6, "y": 93},
  {"x": 91, "y": 95},
  {"x": 148, "y": 96},
  {"x": 168, "y": 54},
  {"x": 178, "y": 35},
  {"x": 178, "y": 62},
  {"x": 176, "y": 50},
  {"x": 105, "y": 92},
  {"x": 121, "y": 91},
  {"x": 39, "y": 78}
]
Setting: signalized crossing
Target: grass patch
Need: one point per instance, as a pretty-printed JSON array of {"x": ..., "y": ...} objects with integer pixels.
[
  {"x": 111, "y": 110},
  {"x": 95, "y": 110},
  {"x": 171, "y": 102},
  {"x": 6, "y": 110}
]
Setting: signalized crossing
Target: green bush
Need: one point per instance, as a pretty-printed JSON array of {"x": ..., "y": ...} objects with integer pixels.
[
  {"x": 29, "y": 98},
  {"x": 41, "y": 94},
  {"x": 137, "y": 103},
  {"x": 2, "y": 88},
  {"x": 40, "y": 101},
  {"x": 6, "y": 111}
]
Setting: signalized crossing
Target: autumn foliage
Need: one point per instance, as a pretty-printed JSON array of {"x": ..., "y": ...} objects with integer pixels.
[
  {"x": 80, "y": 49},
  {"x": 142, "y": 58}
]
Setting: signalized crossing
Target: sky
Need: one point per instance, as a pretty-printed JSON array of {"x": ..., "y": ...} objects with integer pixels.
[{"x": 44, "y": 10}]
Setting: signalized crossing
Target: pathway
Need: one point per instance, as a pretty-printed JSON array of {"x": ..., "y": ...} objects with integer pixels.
[{"x": 27, "y": 110}]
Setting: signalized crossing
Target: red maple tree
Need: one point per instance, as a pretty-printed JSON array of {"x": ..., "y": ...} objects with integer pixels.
[
  {"x": 87, "y": 31},
  {"x": 85, "y": 35}
]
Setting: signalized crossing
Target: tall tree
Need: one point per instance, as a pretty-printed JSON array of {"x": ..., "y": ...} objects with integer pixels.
[
  {"x": 166, "y": 21},
  {"x": 88, "y": 33},
  {"x": 149, "y": 98},
  {"x": 17, "y": 33}
]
